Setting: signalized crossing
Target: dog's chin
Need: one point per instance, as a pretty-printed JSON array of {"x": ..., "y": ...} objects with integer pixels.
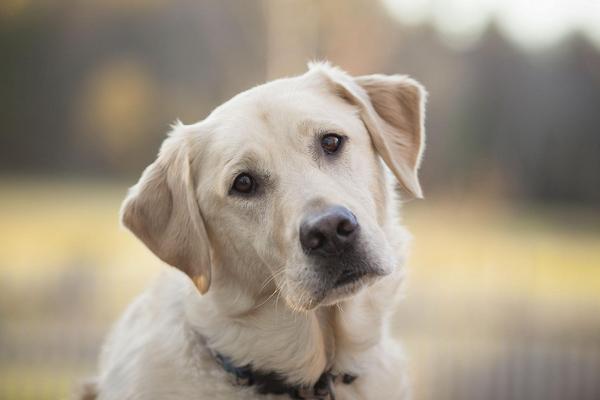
[
  {"x": 340, "y": 290},
  {"x": 346, "y": 289}
]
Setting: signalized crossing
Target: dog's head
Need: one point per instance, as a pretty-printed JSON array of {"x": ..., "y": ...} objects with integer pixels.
[{"x": 283, "y": 186}]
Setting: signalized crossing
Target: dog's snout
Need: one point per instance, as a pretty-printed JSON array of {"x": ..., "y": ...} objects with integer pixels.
[{"x": 328, "y": 232}]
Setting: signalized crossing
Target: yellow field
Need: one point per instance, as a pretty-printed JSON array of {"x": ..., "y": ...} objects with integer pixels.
[{"x": 67, "y": 269}]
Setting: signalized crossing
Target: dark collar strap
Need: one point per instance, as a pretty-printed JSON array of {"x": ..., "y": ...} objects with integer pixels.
[{"x": 274, "y": 383}]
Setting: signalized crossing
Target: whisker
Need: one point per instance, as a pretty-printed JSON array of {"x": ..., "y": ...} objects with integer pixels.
[
  {"x": 280, "y": 271},
  {"x": 277, "y": 298},
  {"x": 267, "y": 299}
]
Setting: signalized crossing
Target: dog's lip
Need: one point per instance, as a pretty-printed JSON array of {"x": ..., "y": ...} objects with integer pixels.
[
  {"x": 349, "y": 276},
  {"x": 345, "y": 290}
]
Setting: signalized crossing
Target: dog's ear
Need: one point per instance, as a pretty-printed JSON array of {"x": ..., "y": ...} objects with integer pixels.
[
  {"x": 392, "y": 108},
  {"x": 163, "y": 212}
]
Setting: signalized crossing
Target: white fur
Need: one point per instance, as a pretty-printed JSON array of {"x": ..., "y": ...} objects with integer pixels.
[{"x": 253, "y": 314}]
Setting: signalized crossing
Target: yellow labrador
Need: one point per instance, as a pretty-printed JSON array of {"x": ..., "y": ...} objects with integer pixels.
[{"x": 279, "y": 208}]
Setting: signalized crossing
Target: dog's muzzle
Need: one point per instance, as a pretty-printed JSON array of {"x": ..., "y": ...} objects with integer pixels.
[{"x": 330, "y": 238}]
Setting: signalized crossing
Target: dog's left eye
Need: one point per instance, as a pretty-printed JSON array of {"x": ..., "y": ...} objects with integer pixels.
[
  {"x": 244, "y": 183},
  {"x": 331, "y": 143}
]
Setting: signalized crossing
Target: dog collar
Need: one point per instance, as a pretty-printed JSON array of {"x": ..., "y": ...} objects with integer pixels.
[{"x": 274, "y": 383}]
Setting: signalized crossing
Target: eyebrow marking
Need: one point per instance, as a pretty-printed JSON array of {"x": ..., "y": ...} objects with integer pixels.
[
  {"x": 309, "y": 127},
  {"x": 249, "y": 162},
  {"x": 265, "y": 116}
]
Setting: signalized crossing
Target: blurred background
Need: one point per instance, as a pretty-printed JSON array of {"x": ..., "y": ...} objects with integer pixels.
[{"x": 503, "y": 295}]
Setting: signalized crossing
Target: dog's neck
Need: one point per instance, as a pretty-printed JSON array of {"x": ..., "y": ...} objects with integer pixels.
[{"x": 270, "y": 336}]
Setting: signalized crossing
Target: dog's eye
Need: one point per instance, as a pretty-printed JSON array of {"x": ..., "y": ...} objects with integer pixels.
[
  {"x": 243, "y": 183},
  {"x": 331, "y": 143}
]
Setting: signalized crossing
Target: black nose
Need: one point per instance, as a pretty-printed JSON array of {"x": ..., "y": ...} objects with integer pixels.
[{"x": 329, "y": 231}]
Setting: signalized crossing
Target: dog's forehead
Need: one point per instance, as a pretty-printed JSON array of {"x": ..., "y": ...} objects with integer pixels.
[
  {"x": 276, "y": 89},
  {"x": 277, "y": 112},
  {"x": 280, "y": 101}
]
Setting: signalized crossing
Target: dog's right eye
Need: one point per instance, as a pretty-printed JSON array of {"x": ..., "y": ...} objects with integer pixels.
[
  {"x": 243, "y": 183},
  {"x": 331, "y": 143}
]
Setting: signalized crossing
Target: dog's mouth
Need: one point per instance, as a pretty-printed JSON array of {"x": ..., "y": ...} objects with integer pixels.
[
  {"x": 346, "y": 285},
  {"x": 335, "y": 279},
  {"x": 347, "y": 277}
]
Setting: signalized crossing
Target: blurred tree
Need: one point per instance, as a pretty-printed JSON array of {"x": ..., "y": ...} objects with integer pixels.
[{"x": 90, "y": 88}]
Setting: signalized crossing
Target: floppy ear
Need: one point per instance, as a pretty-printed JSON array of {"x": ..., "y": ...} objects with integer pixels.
[
  {"x": 163, "y": 212},
  {"x": 392, "y": 108}
]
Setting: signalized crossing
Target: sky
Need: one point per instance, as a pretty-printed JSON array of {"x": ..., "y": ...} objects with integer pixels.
[{"x": 531, "y": 24}]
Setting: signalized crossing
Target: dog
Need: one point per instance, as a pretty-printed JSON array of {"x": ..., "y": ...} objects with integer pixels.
[{"x": 279, "y": 212}]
